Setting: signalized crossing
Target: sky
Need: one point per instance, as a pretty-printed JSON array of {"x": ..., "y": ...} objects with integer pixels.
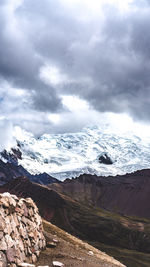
[{"x": 65, "y": 64}]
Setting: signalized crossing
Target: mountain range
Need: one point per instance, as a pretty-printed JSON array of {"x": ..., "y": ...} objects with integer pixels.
[
  {"x": 110, "y": 213},
  {"x": 72, "y": 154}
]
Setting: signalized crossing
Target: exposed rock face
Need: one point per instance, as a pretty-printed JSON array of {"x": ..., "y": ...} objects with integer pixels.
[
  {"x": 10, "y": 157},
  {"x": 17, "y": 153},
  {"x": 105, "y": 159},
  {"x": 13, "y": 156},
  {"x": 21, "y": 231},
  {"x": 11, "y": 170}
]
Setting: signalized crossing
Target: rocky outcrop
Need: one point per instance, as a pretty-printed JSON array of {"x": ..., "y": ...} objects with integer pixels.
[
  {"x": 105, "y": 159},
  {"x": 10, "y": 170},
  {"x": 10, "y": 157},
  {"x": 21, "y": 231}
]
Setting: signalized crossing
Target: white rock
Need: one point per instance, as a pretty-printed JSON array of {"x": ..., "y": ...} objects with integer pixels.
[
  {"x": 3, "y": 245},
  {"x": 9, "y": 241},
  {"x": 6, "y": 194},
  {"x": 55, "y": 240},
  {"x": 58, "y": 264},
  {"x": 26, "y": 265},
  {"x": 91, "y": 253}
]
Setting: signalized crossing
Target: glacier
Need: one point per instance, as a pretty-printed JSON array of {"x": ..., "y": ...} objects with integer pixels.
[{"x": 71, "y": 154}]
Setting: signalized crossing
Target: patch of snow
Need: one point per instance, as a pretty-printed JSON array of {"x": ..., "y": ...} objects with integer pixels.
[{"x": 71, "y": 154}]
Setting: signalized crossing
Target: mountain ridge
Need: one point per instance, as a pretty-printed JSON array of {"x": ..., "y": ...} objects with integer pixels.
[
  {"x": 92, "y": 208},
  {"x": 9, "y": 171},
  {"x": 117, "y": 194}
]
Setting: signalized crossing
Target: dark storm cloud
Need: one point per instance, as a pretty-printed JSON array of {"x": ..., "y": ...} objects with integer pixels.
[
  {"x": 106, "y": 59},
  {"x": 118, "y": 64},
  {"x": 19, "y": 63},
  {"x": 44, "y": 101}
]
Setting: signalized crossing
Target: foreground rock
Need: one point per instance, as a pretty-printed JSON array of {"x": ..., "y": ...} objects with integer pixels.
[
  {"x": 21, "y": 231},
  {"x": 58, "y": 264}
]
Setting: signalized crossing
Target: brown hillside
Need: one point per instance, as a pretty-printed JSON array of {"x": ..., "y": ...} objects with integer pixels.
[
  {"x": 125, "y": 238},
  {"x": 71, "y": 251},
  {"x": 127, "y": 194}
]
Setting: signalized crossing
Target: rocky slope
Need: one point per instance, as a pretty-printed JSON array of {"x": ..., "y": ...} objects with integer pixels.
[
  {"x": 125, "y": 238},
  {"x": 71, "y": 251},
  {"x": 22, "y": 239}
]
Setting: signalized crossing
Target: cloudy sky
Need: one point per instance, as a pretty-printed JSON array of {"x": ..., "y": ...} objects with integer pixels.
[{"x": 65, "y": 64}]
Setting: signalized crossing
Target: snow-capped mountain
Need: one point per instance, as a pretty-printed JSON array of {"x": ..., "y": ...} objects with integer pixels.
[{"x": 71, "y": 154}]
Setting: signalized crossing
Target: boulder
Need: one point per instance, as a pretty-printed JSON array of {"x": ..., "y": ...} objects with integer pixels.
[
  {"x": 25, "y": 265},
  {"x": 58, "y": 264}
]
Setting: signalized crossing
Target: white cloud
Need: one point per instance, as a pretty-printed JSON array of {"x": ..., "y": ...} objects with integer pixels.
[
  {"x": 89, "y": 9},
  {"x": 6, "y": 137},
  {"x": 86, "y": 50},
  {"x": 52, "y": 75}
]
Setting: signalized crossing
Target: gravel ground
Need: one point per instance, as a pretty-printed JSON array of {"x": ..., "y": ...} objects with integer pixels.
[{"x": 72, "y": 251}]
